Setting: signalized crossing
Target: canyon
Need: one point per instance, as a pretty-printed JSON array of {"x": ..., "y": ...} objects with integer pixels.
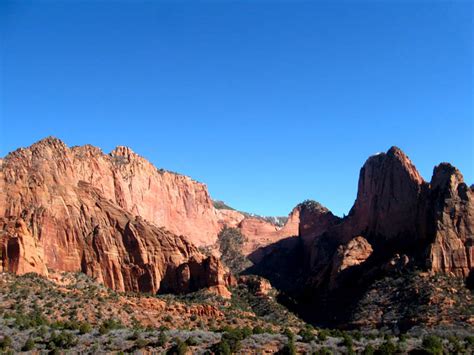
[{"x": 133, "y": 227}]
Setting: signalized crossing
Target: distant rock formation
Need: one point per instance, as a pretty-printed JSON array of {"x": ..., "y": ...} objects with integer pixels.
[
  {"x": 397, "y": 212},
  {"x": 398, "y": 223}
]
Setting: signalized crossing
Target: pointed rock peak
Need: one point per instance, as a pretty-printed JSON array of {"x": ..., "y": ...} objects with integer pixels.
[
  {"x": 122, "y": 151},
  {"x": 50, "y": 141},
  {"x": 312, "y": 206},
  {"x": 395, "y": 151},
  {"x": 445, "y": 174},
  {"x": 393, "y": 158}
]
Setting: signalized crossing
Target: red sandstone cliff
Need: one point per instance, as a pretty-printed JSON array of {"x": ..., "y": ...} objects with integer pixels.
[
  {"x": 175, "y": 201},
  {"x": 396, "y": 213},
  {"x": 452, "y": 219},
  {"x": 77, "y": 209}
]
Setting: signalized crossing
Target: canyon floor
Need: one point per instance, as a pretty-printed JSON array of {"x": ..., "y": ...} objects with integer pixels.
[{"x": 73, "y": 314}]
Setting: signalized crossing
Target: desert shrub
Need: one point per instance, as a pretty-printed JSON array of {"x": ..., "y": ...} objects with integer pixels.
[
  {"x": 192, "y": 341},
  {"x": 258, "y": 330},
  {"x": 323, "y": 351},
  {"x": 455, "y": 345},
  {"x": 6, "y": 342},
  {"x": 347, "y": 340},
  {"x": 62, "y": 340},
  {"x": 230, "y": 245},
  {"x": 289, "y": 348},
  {"x": 221, "y": 348},
  {"x": 85, "y": 328},
  {"x": 387, "y": 348},
  {"x": 469, "y": 340},
  {"x": 134, "y": 336},
  {"x": 108, "y": 325},
  {"x": 179, "y": 348},
  {"x": 336, "y": 333},
  {"x": 233, "y": 339},
  {"x": 162, "y": 339},
  {"x": 288, "y": 333},
  {"x": 246, "y": 332},
  {"x": 323, "y": 335},
  {"x": 433, "y": 345},
  {"x": 29, "y": 345},
  {"x": 31, "y": 320},
  {"x": 141, "y": 343},
  {"x": 368, "y": 350},
  {"x": 357, "y": 335},
  {"x": 306, "y": 335}
]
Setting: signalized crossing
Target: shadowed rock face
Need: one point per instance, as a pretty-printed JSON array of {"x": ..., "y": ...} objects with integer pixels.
[
  {"x": 386, "y": 208},
  {"x": 398, "y": 221},
  {"x": 397, "y": 212},
  {"x": 452, "y": 219},
  {"x": 80, "y": 210}
]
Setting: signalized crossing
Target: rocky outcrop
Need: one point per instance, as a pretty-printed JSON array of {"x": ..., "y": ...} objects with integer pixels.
[
  {"x": 386, "y": 207},
  {"x": 314, "y": 220},
  {"x": 398, "y": 223},
  {"x": 397, "y": 212},
  {"x": 353, "y": 253},
  {"x": 452, "y": 219},
  {"x": 80, "y": 210}
]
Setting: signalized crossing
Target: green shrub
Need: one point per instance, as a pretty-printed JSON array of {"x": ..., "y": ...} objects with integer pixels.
[
  {"x": 456, "y": 346},
  {"x": 85, "y": 328},
  {"x": 62, "y": 340},
  {"x": 233, "y": 338},
  {"x": 324, "y": 351},
  {"x": 306, "y": 335},
  {"x": 162, "y": 339},
  {"x": 6, "y": 342},
  {"x": 230, "y": 242},
  {"x": 368, "y": 350},
  {"x": 289, "y": 348},
  {"x": 108, "y": 325},
  {"x": 347, "y": 340},
  {"x": 221, "y": 348},
  {"x": 433, "y": 345},
  {"x": 387, "y": 348},
  {"x": 191, "y": 341},
  {"x": 29, "y": 345},
  {"x": 323, "y": 335},
  {"x": 289, "y": 334},
  {"x": 258, "y": 330},
  {"x": 469, "y": 340},
  {"x": 179, "y": 348},
  {"x": 141, "y": 343}
]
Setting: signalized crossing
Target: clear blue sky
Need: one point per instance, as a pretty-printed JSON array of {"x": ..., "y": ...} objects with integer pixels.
[{"x": 269, "y": 103}]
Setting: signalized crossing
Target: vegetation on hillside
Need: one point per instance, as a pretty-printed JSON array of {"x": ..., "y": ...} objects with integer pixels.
[
  {"x": 230, "y": 242},
  {"x": 78, "y": 315}
]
